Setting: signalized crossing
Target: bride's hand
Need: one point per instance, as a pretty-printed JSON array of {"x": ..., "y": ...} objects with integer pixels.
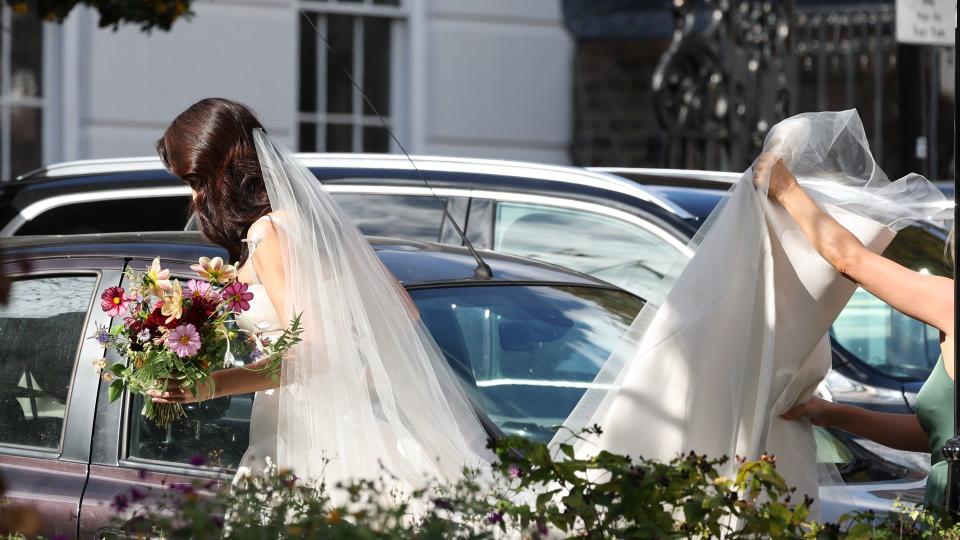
[
  {"x": 770, "y": 172},
  {"x": 819, "y": 411},
  {"x": 174, "y": 393}
]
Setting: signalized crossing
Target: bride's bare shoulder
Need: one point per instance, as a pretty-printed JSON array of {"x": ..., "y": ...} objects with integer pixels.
[{"x": 268, "y": 225}]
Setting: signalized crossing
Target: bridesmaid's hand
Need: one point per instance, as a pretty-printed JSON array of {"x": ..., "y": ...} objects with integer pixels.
[
  {"x": 174, "y": 393},
  {"x": 770, "y": 172},
  {"x": 819, "y": 411}
]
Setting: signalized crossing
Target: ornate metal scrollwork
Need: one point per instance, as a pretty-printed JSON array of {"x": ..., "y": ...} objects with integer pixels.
[{"x": 724, "y": 80}]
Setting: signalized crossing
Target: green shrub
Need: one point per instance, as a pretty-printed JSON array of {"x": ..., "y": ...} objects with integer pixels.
[{"x": 531, "y": 494}]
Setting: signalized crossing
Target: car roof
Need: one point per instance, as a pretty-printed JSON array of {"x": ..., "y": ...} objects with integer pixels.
[
  {"x": 556, "y": 174},
  {"x": 413, "y": 263}
]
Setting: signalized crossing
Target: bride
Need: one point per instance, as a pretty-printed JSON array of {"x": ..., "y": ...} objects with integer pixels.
[{"x": 367, "y": 389}]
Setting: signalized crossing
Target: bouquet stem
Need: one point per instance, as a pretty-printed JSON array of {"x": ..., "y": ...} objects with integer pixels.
[{"x": 163, "y": 414}]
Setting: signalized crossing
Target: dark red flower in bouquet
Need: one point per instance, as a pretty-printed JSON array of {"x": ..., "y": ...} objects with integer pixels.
[{"x": 155, "y": 320}]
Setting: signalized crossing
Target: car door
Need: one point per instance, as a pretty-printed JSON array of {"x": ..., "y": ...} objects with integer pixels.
[
  {"x": 130, "y": 451},
  {"x": 47, "y": 385}
]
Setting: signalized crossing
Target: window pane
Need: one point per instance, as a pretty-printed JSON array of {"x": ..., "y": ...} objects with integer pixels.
[
  {"x": 884, "y": 338},
  {"x": 308, "y": 64},
  {"x": 375, "y": 139},
  {"x": 308, "y": 137},
  {"x": 621, "y": 253},
  {"x": 339, "y": 89},
  {"x": 376, "y": 64},
  {"x": 26, "y": 127},
  {"x": 526, "y": 354},
  {"x": 26, "y": 66},
  {"x": 402, "y": 216},
  {"x": 339, "y": 138},
  {"x": 126, "y": 215},
  {"x": 41, "y": 328},
  {"x": 217, "y": 429}
]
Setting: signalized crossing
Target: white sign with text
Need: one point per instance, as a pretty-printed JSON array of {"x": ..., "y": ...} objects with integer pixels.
[{"x": 926, "y": 22}]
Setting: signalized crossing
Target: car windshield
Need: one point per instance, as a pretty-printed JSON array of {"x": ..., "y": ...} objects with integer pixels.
[{"x": 526, "y": 353}]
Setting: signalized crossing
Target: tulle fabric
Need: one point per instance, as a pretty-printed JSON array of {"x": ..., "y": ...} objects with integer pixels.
[
  {"x": 740, "y": 335},
  {"x": 367, "y": 391}
]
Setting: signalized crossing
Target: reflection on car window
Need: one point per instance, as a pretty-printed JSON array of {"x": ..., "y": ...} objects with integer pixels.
[
  {"x": 41, "y": 329},
  {"x": 884, "y": 338},
  {"x": 610, "y": 249},
  {"x": 217, "y": 430},
  {"x": 410, "y": 217},
  {"x": 526, "y": 354},
  {"x": 140, "y": 214}
]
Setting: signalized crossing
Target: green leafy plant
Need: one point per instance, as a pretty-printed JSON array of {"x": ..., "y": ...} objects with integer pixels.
[
  {"x": 530, "y": 493},
  {"x": 147, "y": 14}
]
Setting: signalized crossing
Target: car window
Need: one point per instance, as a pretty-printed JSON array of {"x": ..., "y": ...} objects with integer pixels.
[
  {"x": 610, "y": 249},
  {"x": 218, "y": 430},
  {"x": 885, "y": 339},
  {"x": 411, "y": 217},
  {"x": 526, "y": 354},
  {"x": 41, "y": 329},
  {"x": 121, "y": 215}
]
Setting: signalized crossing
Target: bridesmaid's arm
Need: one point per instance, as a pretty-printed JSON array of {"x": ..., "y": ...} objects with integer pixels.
[
  {"x": 900, "y": 431},
  {"x": 923, "y": 297}
]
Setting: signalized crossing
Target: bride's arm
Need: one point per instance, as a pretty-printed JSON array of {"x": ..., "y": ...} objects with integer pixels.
[
  {"x": 924, "y": 297},
  {"x": 900, "y": 431}
]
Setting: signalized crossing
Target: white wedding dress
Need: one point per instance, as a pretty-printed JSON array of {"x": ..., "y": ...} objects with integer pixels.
[
  {"x": 741, "y": 335},
  {"x": 261, "y": 321}
]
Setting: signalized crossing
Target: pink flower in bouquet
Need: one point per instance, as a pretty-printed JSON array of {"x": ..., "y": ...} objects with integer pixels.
[
  {"x": 238, "y": 297},
  {"x": 184, "y": 340},
  {"x": 114, "y": 301},
  {"x": 214, "y": 270},
  {"x": 199, "y": 288},
  {"x": 158, "y": 280}
]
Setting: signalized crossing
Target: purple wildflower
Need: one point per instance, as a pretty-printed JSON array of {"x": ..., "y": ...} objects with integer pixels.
[
  {"x": 515, "y": 472},
  {"x": 495, "y": 517},
  {"x": 137, "y": 495},
  {"x": 198, "y": 460},
  {"x": 102, "y": 335},
  {"x": 120, "y": 503}
]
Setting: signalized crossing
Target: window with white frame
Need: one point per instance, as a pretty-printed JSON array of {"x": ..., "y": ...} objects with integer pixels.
[
  {"x": 21, "y": 93},
  {"x": 364, "y": 37}
]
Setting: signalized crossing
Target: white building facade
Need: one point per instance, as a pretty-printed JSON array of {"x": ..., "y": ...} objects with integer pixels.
[{"x": 488, "y": 78}]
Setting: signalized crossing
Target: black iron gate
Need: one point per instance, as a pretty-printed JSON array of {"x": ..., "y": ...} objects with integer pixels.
[{"x": 733, "y": 69}]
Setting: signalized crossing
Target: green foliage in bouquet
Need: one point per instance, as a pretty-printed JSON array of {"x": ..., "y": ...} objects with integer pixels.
[
  {"x": 147, "y": 14},
  {"x": 531, "y": 494}
]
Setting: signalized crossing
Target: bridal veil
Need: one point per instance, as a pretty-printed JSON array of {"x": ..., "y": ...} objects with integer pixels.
[{"x": 367, "y": 389}]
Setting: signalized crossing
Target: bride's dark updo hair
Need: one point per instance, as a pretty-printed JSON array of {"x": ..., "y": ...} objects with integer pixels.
[{"x": 210, "y": 146}]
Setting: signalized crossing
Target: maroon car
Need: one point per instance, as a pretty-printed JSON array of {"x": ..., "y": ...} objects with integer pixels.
[{"x": 73, "y": 455}]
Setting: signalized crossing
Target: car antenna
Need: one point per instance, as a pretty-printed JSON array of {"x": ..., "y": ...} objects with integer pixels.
[{"x": 482, "y": 270}]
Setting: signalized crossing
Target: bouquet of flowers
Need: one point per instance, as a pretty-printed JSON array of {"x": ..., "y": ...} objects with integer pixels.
[{"x": 172, "y": 333}]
